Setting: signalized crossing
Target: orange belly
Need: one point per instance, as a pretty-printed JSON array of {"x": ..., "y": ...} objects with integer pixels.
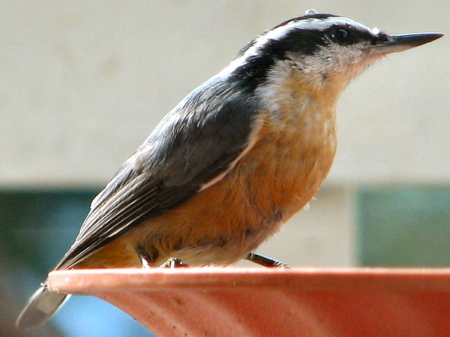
[{"x": 224, "y": 222}]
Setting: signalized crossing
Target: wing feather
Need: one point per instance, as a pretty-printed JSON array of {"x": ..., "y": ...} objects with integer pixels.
[{"x": 193, "y": 145}]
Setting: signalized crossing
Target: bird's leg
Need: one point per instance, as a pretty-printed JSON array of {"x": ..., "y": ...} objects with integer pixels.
[
  {"x": 265, "y": 261},
  {"x": 174, "y": 262},
  {"x": 145, "y": 257},
  {"x": 147, "y": 260}
]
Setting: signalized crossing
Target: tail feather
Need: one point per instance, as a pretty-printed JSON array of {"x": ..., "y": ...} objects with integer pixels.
[{"x": 40, "y": 308}]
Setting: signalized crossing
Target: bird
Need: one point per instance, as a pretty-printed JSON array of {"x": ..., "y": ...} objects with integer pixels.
[{"x": 234, "y": 160}]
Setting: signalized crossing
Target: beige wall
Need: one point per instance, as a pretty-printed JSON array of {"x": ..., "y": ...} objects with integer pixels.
[{"x": 83, "y": 83}]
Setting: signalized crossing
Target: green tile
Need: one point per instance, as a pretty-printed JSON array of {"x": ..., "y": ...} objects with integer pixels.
[
  {"x": 39, "y": 226},
  {"x": 404, "y": 226}
]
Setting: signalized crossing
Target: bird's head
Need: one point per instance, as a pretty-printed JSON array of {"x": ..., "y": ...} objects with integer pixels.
[{"x": 322, "y": 47}]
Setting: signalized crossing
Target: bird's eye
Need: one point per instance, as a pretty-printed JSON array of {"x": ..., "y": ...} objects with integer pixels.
[{"x": 342, "y": 35}]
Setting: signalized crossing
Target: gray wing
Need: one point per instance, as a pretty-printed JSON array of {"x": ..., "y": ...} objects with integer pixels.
[{"x": 193, "y": 144}]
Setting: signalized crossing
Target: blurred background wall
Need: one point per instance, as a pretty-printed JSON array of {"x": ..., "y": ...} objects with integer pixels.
[{"x": 83, "y": 83}]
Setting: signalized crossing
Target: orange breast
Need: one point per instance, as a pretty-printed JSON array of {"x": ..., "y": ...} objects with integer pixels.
[{"x": 288, "y": 162}]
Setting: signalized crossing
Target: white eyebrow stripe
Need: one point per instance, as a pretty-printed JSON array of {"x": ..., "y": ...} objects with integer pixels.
[
  {"x": 318, "y": 24},
  {"x": 307, "y": 24}
]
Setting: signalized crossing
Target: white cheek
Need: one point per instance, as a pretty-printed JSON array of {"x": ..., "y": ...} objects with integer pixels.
[{"x": 351, "y": 60}]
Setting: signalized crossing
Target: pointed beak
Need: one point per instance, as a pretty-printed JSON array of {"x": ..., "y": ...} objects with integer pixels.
[{"x": 396, "y": 43}]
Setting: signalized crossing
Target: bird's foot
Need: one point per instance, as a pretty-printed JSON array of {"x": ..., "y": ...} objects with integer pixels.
[{"x": 174, "y": 262}]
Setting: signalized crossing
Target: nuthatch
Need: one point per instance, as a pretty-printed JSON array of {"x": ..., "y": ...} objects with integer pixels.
[{"x": 234, "y": 160}]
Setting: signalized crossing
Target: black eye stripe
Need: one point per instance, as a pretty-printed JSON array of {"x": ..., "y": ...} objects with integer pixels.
[{"x": 346, "y": 35}]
